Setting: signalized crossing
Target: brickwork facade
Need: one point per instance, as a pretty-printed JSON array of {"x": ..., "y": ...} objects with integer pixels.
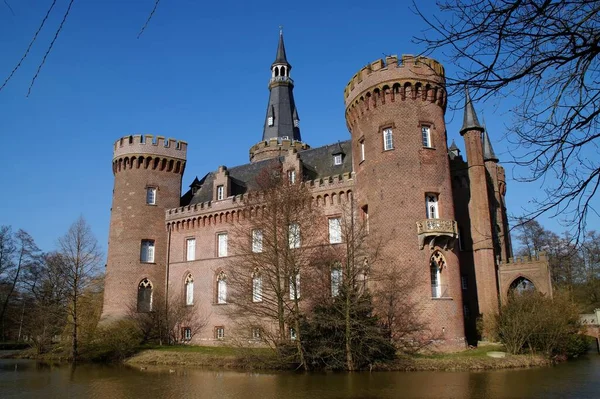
[{"x": 438, "y": 219}]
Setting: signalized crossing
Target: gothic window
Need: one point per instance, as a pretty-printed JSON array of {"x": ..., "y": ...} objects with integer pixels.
[
  {"x": 436, "y": 265},
  {"x": 222, "y": 244},
  {"x": 144, "y": 297},
  {"x": 189, "y": 290},
  {"x": 388, "y": 139},
  {"x": 257, "y": 241},
  {"x": 190, "y": 249},
  {"x": 294, "y": 235},
  {"x": 151, "y": 195},
  {"x": 335, "y": 230},
  {"x": 147, "y": 251},
  {"x": 222, "y": 288},
  {"x": 426, "y": 136},
  {"x": 336, "y": 279},
  {"x": 257, "y": 289},
  {"x": 365, "y": 218},
  {"x": 432, "y": 206}
]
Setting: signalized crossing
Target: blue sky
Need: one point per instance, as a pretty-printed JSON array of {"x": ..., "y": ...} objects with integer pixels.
[{"x": 198, "y": 73}]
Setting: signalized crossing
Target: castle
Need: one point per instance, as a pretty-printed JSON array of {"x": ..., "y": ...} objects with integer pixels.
[{"x": 445, "y": 217}]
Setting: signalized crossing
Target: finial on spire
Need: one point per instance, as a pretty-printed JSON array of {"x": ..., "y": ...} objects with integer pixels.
[
  {"x": 470, "y": 121},
  {"x": 281, "y": 58}
]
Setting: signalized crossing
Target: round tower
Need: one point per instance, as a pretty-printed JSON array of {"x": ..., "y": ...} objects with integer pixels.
[
  {"x": 395, "y": 114},
  {"x": 148, "y": 172}
]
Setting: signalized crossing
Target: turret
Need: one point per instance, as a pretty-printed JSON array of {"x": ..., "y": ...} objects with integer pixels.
[
  {"x": 395, "y": 114},
  {"x": 147, "y": 181},
  {"x": 281, "y": 129},
  {"x": 479, "y": 211}
]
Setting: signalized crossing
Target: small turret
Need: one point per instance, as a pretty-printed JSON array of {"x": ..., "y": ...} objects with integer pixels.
[
  {"x": 470, "y": 121},
  {"x": 488, "y": 151}
]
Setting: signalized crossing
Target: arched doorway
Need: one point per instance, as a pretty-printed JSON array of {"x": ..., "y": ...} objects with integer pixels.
[{"x": 521, "y": 285}]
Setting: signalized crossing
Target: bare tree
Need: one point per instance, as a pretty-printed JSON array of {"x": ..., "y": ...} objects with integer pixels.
[
  {"x": 18, "y": 252},
  {"x": 546, "y": 55},
  {"x": 275, "y": 246},
  {"x": 80, "y": 257}
]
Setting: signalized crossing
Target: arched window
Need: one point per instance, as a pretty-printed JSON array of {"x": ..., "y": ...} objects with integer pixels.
[
  {"x": 222, "y": 288},
  {"x": 436, "y": 265},
  {"x": 144, "y": 299},
  {"x": 257, "y": 290},
  {"x": 189, "y": 290},
  {"x": 336, "y": 279},
  {"x": 521, "y": 285}
]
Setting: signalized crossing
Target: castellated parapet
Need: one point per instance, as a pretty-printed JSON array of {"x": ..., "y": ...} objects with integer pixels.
[
  {"x": 275, "y": 147},
  {"x": 390, "y": 80}
]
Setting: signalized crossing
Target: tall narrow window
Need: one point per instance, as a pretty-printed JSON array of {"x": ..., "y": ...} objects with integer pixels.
[
  {"x": 335, "y": 230},
  {"x": 189, "y": 290},
  {"x": 464, "y": 282},
  {"x": 221, "y": 244},
  {"x": 219, "y": 332},
  {"x": 151, "y": 195},
  {"x": 190, "y": 249},
  {"x": 365, "y": 218},
  {"x": 257, "y": 287},
  {"x": 220, "y": 192},
  {"x": 293, "y": 335},
  {"x": 432, "y": 206},
  {"x": 295, "y": 286},
  {"x": 291, "y": 176},
  {"x": 187, "y": 333},
  {"x": 144, "y": 298},
  {"x": 362, "y": 150},
  {"x": 222, "y": 288},
  {"x": 270, "y": 121},
  {"x": 336, "y": 279},
  {"x": 426, "y": 136},
  {"x": 257, "y": 241},
  {"x": 436, "y": 264},
  {"x": 388, "y": 139},
  {"x": 294, "y": 235},
  {"x": 147, "y": 251}
]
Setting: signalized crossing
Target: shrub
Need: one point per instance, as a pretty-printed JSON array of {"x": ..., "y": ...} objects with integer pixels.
[
  {"x": 113, "y": 342},
  {"x": 531, "y": 321}
]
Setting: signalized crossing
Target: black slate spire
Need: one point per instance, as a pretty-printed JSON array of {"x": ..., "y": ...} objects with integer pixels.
[
  {"x": 488, "y": 151},
  {"x": 282, "y": 120},
  {"x": 280, "y": 58},
  {"x": 470, "y": 121}
]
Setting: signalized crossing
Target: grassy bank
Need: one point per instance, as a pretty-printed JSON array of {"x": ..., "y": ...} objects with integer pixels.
[{"x": 236, "y": 358}]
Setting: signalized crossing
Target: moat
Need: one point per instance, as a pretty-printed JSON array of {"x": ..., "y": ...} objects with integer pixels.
[{"x": 28, "y": 379}]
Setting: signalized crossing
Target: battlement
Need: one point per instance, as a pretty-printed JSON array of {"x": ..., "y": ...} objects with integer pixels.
[
  {"x": 523, "y": 260},
  {"x": 150, "y": 145},
  {"x": 410, "y": 67},
  {"x": 266, "y": 149},
  {"x": 326, "y": 183}
]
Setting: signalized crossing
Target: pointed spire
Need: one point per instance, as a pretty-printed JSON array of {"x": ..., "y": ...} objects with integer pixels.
[
  {"x": 470, "y": 121},
  {"x": 488, "y": 151},
  {"x": 281, "y": 58},
  {"x": 453, "y": 150}
]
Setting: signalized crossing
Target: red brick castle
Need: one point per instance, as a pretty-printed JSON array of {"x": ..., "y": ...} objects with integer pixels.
[{"x": 445, "y": 217}]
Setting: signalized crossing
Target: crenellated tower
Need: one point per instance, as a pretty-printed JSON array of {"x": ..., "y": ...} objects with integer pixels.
[
  {"x": 281, "y": 130},
  {"x": 147, "y": 181},
  {"x": 395, "y": 113}
]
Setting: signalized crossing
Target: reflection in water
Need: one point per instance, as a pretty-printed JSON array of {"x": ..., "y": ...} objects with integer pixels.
[{"x": 28, "y": 379}]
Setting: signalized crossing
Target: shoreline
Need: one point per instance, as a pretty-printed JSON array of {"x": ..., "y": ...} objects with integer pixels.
[{"x": 232, "y": 360}]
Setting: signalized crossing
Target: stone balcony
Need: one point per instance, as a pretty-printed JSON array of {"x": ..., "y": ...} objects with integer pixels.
[{"x": 439, "y": 232}]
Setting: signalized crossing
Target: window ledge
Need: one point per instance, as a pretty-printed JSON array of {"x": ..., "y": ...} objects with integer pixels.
[
  {"x": 443, "y": 298},
  {"x": 428, "y": 148},
  {"x": 148, "y": 263},
  {"x": 388, "y": 149},
  {"x": 150, "y": 204}
]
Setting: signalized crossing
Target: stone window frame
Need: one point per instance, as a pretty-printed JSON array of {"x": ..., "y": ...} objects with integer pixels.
[
  {"x": 154, "y": 190},
  {"x": 187, "y": 248},
  {"x": 430, "y": 127},
  {"x": 219, "y": 332},
  {"x": 148, "y": 251},
  {"x": 329, "y": 229},
  {"x": 221, "y": 284},
  {"x": 388, "y": 135},
  {"x": 188, "y": 289},
  {"x": 225, "y": 253},
  {"x": 220, "y": 192}
]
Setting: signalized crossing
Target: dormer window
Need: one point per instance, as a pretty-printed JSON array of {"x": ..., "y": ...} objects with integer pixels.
[
  {"x": 220, "y": 192},
  {"x": 296, "y": 123},
  {"x": 337, "y": 159},
  {"x": 270, "y": 121}
]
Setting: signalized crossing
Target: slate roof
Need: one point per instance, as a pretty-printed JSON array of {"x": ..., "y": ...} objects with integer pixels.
[
  {"x": 488, "y": 151},
  {"x": 470, "y": 121},
  {"x": 316, "y": 162}
]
